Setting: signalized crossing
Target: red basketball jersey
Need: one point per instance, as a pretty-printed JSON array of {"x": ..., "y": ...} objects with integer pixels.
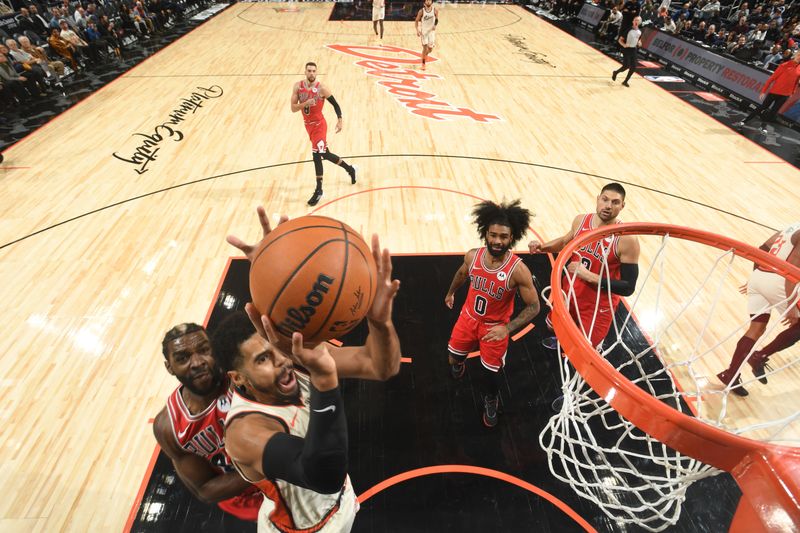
[
  {"x": 489, "y": 298},
  {"x": 202, "y": 434},
  {"x": 312, "y": 114},
  {"x": 593, "y": 255}
]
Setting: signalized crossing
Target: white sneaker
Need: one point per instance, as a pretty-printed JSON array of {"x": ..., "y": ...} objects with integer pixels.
[
  {"x": 739, "y": 124},
  {"x": 764, "y": 131}
]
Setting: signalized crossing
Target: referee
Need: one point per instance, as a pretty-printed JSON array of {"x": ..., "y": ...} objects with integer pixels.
[{"x": 629, "y": 43}]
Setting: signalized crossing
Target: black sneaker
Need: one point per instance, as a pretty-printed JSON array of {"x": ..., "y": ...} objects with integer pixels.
[
  {"x": 489, "y": 411},
  {"x": 614, "y": 76},
  {"x": 625, "y": 83},
  {"x": 759, "y": 364},
  {"x": 457, "y": 370},
  {"x": 551, "y": 343},
  {"x": 352, "y": 175},
  {"x": 314, "y": 200},
  {"x": 737, "y": 387}
]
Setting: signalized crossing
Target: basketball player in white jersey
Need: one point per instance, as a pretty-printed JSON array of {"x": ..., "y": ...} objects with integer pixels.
[
  {"x": 764, "y": 290},
  {"x": 425, "y": 23},
  {"x": 286, "y": 431},
  {"x": 378, "y": 14}
]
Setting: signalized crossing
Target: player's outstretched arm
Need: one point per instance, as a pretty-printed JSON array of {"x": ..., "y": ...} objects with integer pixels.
[
  {"x": 203, "y": 482},
  {"x": 417, "y": 21},
  {"x": 379, "y": 357}
]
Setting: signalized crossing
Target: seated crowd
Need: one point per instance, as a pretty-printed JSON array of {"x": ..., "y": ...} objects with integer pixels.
[
  {"x": 766, "y": 35},
  {"x": 50, "y": 42}
]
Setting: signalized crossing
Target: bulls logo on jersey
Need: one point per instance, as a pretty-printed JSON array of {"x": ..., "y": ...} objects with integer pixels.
[{"x": 223, "y": 404}]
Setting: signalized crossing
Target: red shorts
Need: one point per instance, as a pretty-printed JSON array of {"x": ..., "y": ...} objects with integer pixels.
[
  {"x": 585, "y": 316},
  {"x": 597, "y": 332},
  {"x": 467, "y": 335},
  {"x": 245, "y": 506},
  {"x": 318, "y": 133}
]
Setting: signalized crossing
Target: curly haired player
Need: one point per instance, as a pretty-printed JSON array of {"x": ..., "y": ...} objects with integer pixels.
[{"x": 495, "y": 275}]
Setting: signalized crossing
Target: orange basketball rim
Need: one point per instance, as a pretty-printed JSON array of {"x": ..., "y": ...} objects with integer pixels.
[{"x": 768, "y": 474}]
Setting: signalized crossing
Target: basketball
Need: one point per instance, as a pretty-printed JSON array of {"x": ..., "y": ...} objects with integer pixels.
[{"x": 314, "y": 275}]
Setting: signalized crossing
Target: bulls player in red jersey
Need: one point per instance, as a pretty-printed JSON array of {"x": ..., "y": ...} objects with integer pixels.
[
  {"x": 309, "y": 96},
  {"x": 190, "y": 428},
  {"x": 495, "y": 275},
  {"x": 592, "y": 314}
]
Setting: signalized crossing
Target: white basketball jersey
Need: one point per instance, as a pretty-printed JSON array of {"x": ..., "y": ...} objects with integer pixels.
[
  {"x": 296, "y": 508},
  {"x": 783, "y": 246},
  {"x": 428, "y": 20}
]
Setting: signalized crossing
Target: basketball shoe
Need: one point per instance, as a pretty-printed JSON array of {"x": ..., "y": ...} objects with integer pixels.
[
  {"x": 490, "y": 410},
  {"x": 727, "y": 378},
  {"x": 315, "y": 198},
  {"x": 758, "y": 362}
]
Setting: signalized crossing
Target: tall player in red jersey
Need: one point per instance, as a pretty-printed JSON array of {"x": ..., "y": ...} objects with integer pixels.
[
  {"x": 594, "y": 313},
  {"x": 190, "y": 429},
  {"x": 309, "y": 96},
  {"x": 495, "y": 275}
]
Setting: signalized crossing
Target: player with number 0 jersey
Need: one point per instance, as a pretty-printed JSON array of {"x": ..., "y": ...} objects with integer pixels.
[{"x": 495, "y": 276}]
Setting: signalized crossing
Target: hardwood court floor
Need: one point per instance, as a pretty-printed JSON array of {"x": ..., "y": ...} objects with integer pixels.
[{"x": 98, "y": 260}]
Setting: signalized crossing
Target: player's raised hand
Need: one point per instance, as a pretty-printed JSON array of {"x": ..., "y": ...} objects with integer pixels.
[
  {"x": 381, "y": 310},
  {"x": 266, "y": 329},
  {"x": 318, "y": 361},
  {"x": 535, "y": 247},
  {"x": 249, "y": 249}
]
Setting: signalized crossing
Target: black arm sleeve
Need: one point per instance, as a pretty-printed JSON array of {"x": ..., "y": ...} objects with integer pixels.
[
  {"x": 319, "y": 461},
  {"x": 335, "y": 105},
  {"x": 628, "y": 274}
]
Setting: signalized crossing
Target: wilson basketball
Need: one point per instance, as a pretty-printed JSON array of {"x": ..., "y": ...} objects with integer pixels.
[{"x": 314, "y": 275}]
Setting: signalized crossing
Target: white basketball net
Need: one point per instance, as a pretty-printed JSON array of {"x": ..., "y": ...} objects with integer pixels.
[{"x": 632, "y": 477}]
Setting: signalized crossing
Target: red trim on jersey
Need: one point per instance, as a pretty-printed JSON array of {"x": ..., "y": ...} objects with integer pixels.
[
  {"x": 281, "y": 511},
  {"x": 280, "y": 516}
]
